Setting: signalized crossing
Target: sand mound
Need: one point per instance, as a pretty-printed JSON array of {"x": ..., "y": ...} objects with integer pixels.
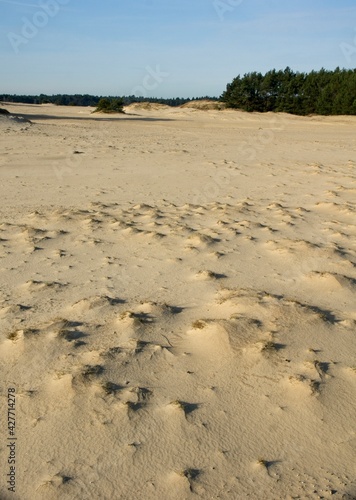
[
  {"x": 204, "y": 105},
  {"x": 147, "y": 106},
  {"x": 4, "y": 111}
]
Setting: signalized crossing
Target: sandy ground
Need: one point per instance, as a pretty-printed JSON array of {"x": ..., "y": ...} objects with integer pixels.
[{"x": 177, "y": 304}]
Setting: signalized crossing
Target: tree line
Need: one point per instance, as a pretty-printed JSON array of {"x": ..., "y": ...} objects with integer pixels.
[
  {"x": 91, "y": 100},
  {"x": 318, "y": 92}
]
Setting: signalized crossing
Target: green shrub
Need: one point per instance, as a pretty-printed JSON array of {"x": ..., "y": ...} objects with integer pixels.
[{"x": 107, "y": 105}]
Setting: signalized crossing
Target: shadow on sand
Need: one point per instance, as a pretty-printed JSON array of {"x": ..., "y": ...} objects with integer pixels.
[{"x": 118, "y": 118}]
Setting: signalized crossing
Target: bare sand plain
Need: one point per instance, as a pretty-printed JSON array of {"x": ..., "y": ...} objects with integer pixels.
[{"x": 177, "y": 304}]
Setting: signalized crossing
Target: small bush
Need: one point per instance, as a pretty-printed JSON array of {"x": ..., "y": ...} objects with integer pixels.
[{"x": 106, "y": 105}]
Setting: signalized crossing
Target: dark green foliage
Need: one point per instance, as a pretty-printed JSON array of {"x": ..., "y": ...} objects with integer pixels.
[
  {"x": 93, "y": 101},
  {"x": 59, "y": 99},
  {"x": 106, "y": 105},
  {"x": 318, "y": 92}
]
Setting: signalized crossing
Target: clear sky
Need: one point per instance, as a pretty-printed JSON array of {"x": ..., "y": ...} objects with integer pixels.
[{"x": 166, "y": 48}]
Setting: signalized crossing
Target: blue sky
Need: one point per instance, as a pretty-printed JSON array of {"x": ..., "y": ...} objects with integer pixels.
[{"x": 166, "y": 48}]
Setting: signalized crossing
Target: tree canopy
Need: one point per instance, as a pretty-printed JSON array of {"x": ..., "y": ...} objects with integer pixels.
[{"x": 318, "y": 92}]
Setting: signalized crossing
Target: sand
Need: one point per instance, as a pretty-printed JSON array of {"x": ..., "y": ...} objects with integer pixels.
[{"x": 177, "y": 304}]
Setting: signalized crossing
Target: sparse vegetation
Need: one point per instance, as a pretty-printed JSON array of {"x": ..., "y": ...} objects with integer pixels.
[
  {"x": 107, "y": 105},
  {"x": 199, "y": 324},
  {"x": 13, "y": 336}
]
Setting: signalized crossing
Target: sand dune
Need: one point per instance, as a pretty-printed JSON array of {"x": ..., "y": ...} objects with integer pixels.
[{"x": 177, "y": 304}]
